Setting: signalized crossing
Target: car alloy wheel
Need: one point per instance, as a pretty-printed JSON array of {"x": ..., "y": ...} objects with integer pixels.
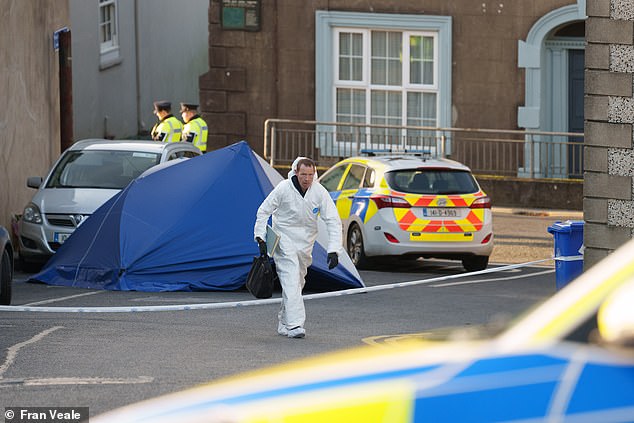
[{"x": 355, "y": 246}]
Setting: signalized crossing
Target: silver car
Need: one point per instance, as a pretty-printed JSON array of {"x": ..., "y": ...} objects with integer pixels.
[
  {"x": 6, "y": 266},
  {"x": 85, "y": 176}
]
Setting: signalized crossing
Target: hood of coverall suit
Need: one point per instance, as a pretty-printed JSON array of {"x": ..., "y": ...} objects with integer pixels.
[{"x": 299, "y": 235}]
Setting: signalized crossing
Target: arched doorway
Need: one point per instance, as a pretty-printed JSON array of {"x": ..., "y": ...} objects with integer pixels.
[
  {"x": 563, "y": 95},
  {"x": 553, "y": 56}
]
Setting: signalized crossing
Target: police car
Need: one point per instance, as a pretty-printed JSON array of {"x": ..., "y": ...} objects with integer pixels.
[
  {"x": 411, "y": 205},
  {"x": 569, "y": 359}
]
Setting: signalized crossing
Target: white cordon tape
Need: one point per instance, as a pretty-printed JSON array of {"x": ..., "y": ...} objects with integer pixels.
[
  {"x": 569, "y": 258},
  {"x": 235, "y": 304}
]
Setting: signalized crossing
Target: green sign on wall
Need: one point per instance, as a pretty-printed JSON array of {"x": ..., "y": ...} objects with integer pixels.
[{"x": 241, "y": 15}]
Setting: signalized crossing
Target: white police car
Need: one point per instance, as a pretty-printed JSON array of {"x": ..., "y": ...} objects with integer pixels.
[{"x": 411, "y": 205}]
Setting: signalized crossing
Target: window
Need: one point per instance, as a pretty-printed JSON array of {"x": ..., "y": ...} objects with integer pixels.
[
  {"x": 107, "y": 169},
  {"x": 399, "y": 86},
  {"x": 354, "y": 177},
  {"x": 185, "y": 154},
  {"x": 385, "y": 69},
  {"x": 331, "y": 179},
  {"x": 108, "y": 33},
  {"x": 368, "y": 179},
  {"x": 436, "y": 182}
]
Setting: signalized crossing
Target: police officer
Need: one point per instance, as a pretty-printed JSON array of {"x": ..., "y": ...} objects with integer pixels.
[
  {"x": 195, "y": 129},
  {"x": 168, "y": 128}
]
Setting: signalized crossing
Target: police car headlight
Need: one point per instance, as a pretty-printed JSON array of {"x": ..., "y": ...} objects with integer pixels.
[{"x": 32, "y": 214}]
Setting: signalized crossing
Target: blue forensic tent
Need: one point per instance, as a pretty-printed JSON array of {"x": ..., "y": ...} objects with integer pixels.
[{"x": 186, "y": 227}]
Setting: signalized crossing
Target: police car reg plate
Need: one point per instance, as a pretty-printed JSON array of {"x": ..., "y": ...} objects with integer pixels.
[
  {"x": 439, "y": 212},
  {"x": 60, "y": 237}
]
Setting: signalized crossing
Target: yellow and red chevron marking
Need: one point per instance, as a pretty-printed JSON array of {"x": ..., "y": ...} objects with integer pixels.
[
  {"x": 431, "y": 226},
  {"x": 408, "y": 218},
  {"x": 408, "y": 221},
  {"x": 419, "y": 200},
  {"x": 423, "y": 201},
  {"x": 476, "y": 218}
]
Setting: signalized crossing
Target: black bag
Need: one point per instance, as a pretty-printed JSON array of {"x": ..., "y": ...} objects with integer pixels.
[{"x": 261, "y": 278}]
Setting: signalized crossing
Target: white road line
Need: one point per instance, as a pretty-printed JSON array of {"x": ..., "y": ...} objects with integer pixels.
[
  {"x": 235, "y": 304},
  {"x": 75, "y": 381},
  {"x": 441, "y": 285},
  {"x": 12, "y": 352},
  {"x": 54, "y": 300}
]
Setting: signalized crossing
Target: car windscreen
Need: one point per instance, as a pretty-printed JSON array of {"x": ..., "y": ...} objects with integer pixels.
[
  {"x": 432, "y": 181},
  {"x": 100, "y": 168}
]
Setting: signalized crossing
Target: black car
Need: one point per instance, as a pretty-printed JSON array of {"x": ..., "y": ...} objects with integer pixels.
[{"x": 6, "y": 266}]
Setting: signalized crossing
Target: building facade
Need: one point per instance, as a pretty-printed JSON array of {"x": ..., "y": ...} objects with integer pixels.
[
  {"x": 609, "y": 105},
  {"x": 29, "y": 81},
  {"x": 123, "y": 55},
  {"x": 460, "y": 64},
  {"x": 127, "y": 54}
]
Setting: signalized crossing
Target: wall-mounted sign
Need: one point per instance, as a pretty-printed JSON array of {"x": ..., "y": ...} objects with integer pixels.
[
  {"x": 56, "y": 37},
  {"x": 241, "y": 15}
]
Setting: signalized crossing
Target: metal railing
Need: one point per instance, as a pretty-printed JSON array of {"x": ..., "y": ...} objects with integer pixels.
[{"x": 510, "y": 153}]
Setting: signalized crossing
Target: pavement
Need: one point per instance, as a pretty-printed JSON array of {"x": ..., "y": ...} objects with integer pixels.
[
  {"x": 521, "y": 235},
  {"x": 571, "y": 214}
]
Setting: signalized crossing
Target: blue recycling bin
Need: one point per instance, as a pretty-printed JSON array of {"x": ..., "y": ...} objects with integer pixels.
[{"x": 568, "y": 242}]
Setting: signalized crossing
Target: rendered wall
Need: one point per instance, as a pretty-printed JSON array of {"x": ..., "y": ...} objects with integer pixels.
[
  {"x": 29, "y": 87},
  {"x": 163, "y": 51}
]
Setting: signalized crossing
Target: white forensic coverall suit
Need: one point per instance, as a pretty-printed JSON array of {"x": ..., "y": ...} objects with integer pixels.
[{"x": 295, "y": 220}]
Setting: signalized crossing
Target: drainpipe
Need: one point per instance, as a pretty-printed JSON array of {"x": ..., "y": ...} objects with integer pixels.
[
  {"x": 65, "y": 90},
  {"x": 276, "y": 59},
  {"x": 139, "y": 121}
]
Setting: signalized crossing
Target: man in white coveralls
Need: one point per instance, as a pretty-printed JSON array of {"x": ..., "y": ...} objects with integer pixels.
[{"x": 295, "y": 205}]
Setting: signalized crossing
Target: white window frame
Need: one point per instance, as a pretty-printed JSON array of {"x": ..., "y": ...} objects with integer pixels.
[
  {"x": 364, "y": 69},
  {"x": 328, "y": 24},
  {"x": 109, "y": 49},
  {"x": 406, "y": 53},
  {"x": 366, "y": 84}
]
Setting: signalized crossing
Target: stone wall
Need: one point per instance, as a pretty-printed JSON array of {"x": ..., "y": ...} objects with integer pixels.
[
  {"x": 533, "y": 193},
  {"x": 609, "y": 112}
]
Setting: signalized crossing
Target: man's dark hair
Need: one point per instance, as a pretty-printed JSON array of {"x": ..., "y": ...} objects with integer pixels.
[{"x": 305, "y": 162}]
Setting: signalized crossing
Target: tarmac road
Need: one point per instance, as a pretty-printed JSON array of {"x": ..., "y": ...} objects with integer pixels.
[{"x": 104, "y": 361}]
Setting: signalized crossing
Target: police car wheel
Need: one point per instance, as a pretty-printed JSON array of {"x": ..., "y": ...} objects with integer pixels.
[
  {"x": 6, "y": 275},
  {"x": 355, "y": 246},
  {"x": 475, "y": 263}
]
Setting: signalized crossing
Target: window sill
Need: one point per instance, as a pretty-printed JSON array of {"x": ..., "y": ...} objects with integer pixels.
[{"x": 109, "y": 59}]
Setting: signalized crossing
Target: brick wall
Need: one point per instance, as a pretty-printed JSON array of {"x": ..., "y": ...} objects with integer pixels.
[
  {"x": 271, "y": 73},
  {"x": 609, "y": 113}
]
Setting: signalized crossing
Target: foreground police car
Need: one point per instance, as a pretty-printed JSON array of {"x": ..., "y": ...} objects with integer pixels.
[
  {"x": 571, "y": 359},
  {"x": 411, "y": 205},
  {"x": 85, "y": 176}
]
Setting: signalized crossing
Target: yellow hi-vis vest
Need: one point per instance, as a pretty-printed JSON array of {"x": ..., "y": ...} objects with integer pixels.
[
  {"x": 168, "y": 130},
  {"x": 195, "y": 131}
]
